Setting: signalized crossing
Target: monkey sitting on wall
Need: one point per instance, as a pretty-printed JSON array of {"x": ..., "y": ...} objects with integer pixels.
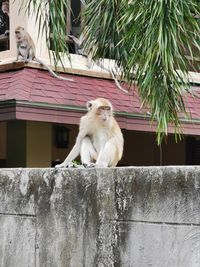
[
  {"x": 100, "y": 141},
  {"x": 26, "y": 50}
]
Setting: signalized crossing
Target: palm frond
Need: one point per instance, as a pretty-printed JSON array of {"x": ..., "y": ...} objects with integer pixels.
[
  {"x": 165, "y": 29},
  {"x": 150, "y": 38},
  {"x": 150, "y": 41},
  {"x": 51, "y": 17}
]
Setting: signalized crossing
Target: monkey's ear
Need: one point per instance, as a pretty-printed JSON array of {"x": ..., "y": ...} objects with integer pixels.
[{"x": 89, "y": 105}]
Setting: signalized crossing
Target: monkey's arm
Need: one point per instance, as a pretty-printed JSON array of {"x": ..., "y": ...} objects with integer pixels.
[
  {"x": 76, "y": 40},
  {"x": 72, "y": 155},
  {"x": 18, "y": 53},
  {"x": 75, "y": 150}
]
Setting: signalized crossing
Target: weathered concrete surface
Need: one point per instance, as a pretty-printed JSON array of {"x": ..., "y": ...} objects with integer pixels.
[{"x": 121, "y": 217}]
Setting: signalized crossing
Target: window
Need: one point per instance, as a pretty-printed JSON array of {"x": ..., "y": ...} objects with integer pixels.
[
  {"x": 4, "y": 25},
  {"x": 73, "y": 22},
  {"x": 75, "y": 19},
  {"x": 61, "y": 136}
]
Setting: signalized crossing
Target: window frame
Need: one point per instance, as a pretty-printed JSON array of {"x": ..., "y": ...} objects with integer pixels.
[{"x": 69, "y": 27}]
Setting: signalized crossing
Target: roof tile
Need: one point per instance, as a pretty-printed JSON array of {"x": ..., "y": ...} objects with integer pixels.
[{"x": 39, "y": 86}]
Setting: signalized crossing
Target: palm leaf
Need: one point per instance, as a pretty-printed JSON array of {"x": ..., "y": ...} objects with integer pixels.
[
  {"x": 153, "y": 35},
  {"x": 150, "y": 41},
  {"x": 51, "y": 17}
]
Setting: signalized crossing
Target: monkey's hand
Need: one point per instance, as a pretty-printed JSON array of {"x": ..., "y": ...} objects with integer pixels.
[
  {"x": 64, "y": 165},
  {"x": 71, "y": 36}
]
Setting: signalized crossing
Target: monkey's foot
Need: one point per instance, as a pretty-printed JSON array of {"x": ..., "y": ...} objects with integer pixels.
[
  {"x": 63, "y": 165},
  {"x": 91, "y": 165}
]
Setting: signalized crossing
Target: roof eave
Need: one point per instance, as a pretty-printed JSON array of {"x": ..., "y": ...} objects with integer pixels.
[{"x": 24, "y": 110}]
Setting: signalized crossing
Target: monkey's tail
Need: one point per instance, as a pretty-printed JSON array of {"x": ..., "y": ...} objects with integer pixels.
[
  {"x": 117, "y": 83},
  {"x": 51, "y": 71},
  {"x": 113, "y": 76}
]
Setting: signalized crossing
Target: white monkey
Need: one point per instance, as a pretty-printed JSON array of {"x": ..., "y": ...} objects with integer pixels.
[
  {"x": 26, "y": 50},
  {"x": 79, "y": 49},
  {"x": 100, "y": 140}
]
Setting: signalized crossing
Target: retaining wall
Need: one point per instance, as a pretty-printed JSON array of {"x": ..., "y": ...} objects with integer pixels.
[{"x": 122, "y": 217}]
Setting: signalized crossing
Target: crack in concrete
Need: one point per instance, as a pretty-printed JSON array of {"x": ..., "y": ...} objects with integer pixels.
[
  {"x": 18, "y": 215},
  {"x": 156, "y": 222}
]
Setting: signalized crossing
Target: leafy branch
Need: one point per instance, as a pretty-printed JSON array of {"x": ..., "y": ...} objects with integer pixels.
[{"x": 150, "y": 41}]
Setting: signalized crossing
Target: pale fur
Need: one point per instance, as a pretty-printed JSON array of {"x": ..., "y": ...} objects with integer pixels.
[
  {"x": 26, "y": 50},
  {"x": 100, "y": 140}
]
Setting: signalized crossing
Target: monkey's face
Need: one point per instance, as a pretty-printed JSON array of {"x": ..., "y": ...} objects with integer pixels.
[
  {"x": 104, "y": 113},
  {"x": 101, "y": 108},
  {"x": 18, "y": 36}
]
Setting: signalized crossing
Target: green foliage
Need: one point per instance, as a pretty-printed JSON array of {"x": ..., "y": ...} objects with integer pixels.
[
  {"x": 149, "y": 40},
  {"x": 51, "y": 17}
]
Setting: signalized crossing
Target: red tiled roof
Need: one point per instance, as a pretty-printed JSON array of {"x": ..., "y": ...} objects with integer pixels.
[
  {"x": 35, "y": 85},
  {"x": 38, "y": 86}
]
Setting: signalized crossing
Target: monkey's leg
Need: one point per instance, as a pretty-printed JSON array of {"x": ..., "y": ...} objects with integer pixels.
[
  {"x": 88, "y": 152},
  {"x": 26, "y": 58},
  {"x": 107, "y": 156}
]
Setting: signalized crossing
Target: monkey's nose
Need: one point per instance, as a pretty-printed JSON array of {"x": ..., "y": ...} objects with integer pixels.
[{"x": 105, "y": 118}]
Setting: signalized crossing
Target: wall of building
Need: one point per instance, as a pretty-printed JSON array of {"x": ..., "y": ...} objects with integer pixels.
[
  {"x": 32, "y": 144},
  {"x": 142, "y": 216},
  {"x": 39, "y": 144},
  {"x": 16, "y": 19},
  {"x": 28, "y": 144},
  {"x": 174, "y": 153},
  {"x": 59, "y": 154},
  {"x": 141, "y": 149},
  {"x": 77, "y": 64},
  {"x": 16, "y": 143}
]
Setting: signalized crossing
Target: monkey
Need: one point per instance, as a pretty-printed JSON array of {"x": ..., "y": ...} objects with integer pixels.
[
  {"x": 100, "y": 141},
  {"x": 79, "y": 43},
  {"x": 26, "y": 50},
  {"x": 79, "y": 49}
]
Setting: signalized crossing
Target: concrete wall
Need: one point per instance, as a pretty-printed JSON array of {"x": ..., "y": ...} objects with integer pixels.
[{"x": 120, "y": 217}]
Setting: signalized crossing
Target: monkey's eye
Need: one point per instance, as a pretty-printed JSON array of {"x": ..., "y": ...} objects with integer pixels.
[{"x": 107, "y": 108}]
